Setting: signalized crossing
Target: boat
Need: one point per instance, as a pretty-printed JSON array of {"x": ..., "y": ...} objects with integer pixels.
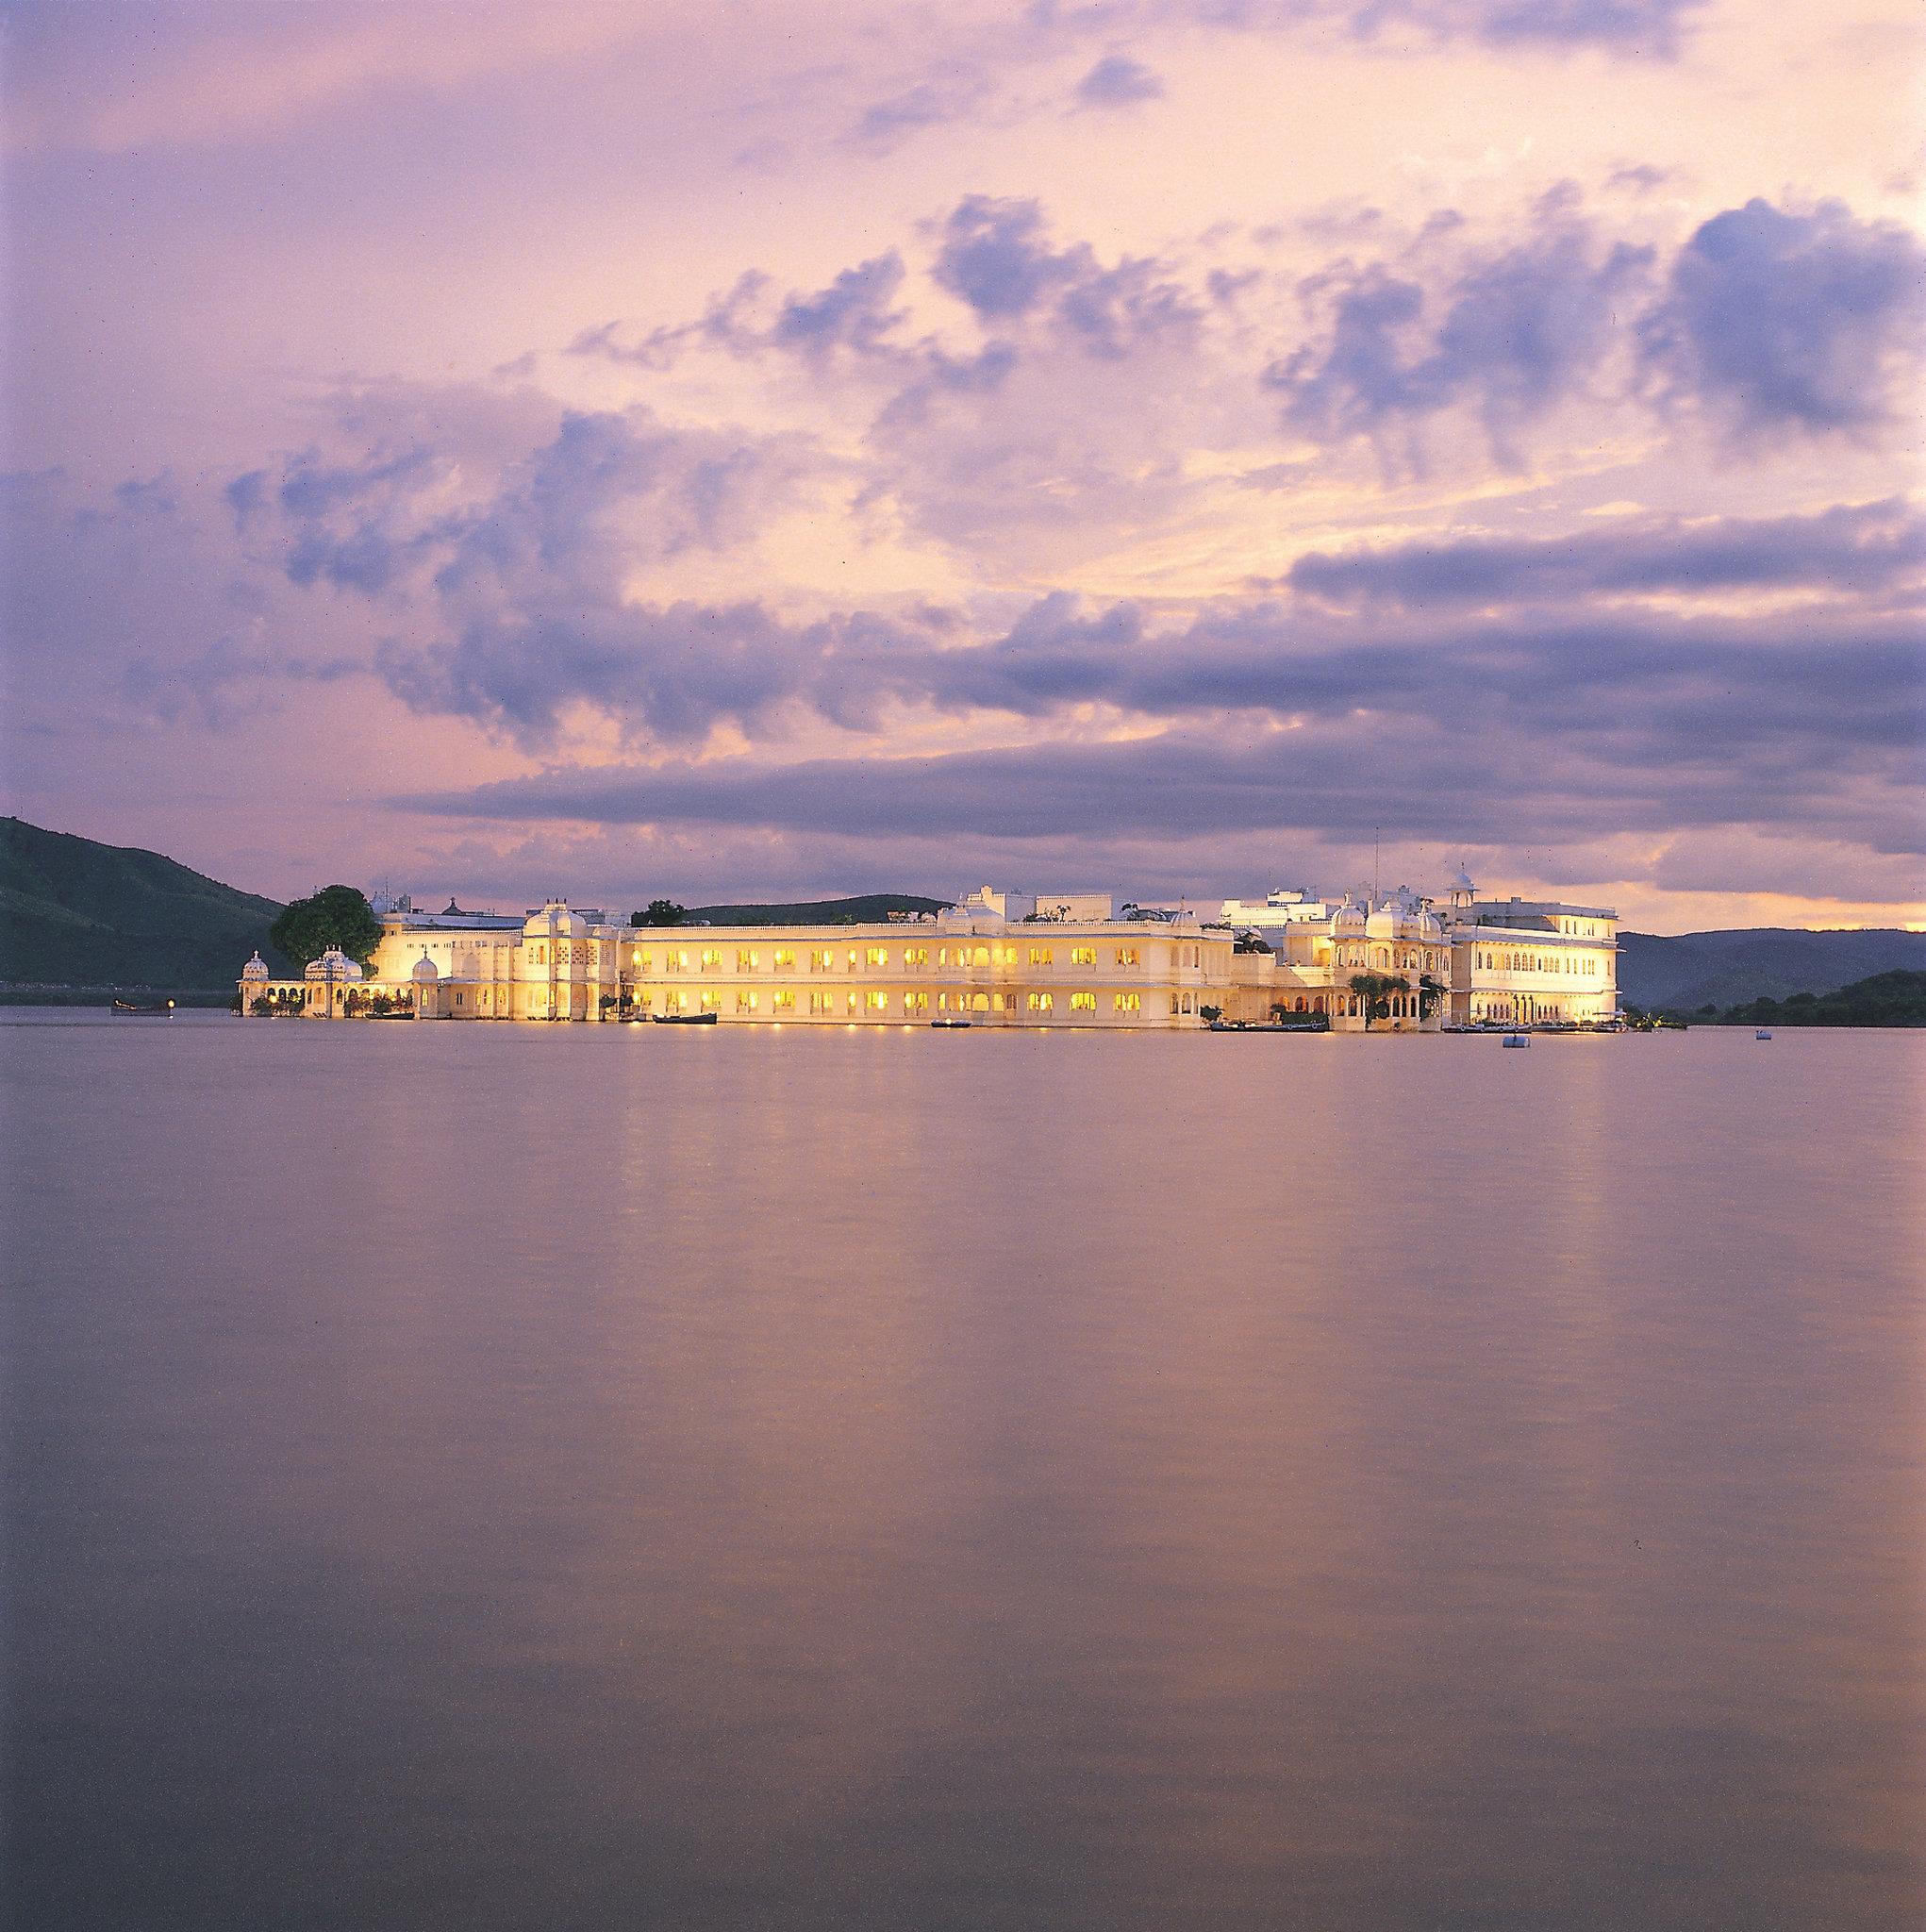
[
  {"x": 1762, "y": 1034},
  {"x": 683, "y": 1019},
  {"x": 1516, "y": 1040},
  {"x": 950, "y": 1025},
  {"x": 143, "y": 1011}
]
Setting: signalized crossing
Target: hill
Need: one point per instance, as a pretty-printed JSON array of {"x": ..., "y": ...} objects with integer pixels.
[
  {"x": 869, "y": 908},
  {"x": 1886, "y": 999},
  {"x": 1694, "y": 970},
  {"x": 76, "y": 913}
]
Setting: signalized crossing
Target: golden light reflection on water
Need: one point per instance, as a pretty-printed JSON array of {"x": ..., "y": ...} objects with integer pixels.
[{"x": 1086, "y": 1481}]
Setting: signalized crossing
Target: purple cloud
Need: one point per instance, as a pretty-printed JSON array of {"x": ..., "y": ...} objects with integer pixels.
[
  {"x": 1853, "y": 549},
  {"x": 1117, "y": 81},
  {"x": 1519, "y": 330},
  {"x": 1778, "y": 319}
]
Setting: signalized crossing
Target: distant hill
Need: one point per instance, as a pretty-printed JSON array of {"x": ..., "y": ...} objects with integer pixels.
[
  {"x": 869, "y": 908},
  {"x": 1726, "y": 968},
  {"x": 76, "y": 913},
  {"x": 1885, "y": 999}
]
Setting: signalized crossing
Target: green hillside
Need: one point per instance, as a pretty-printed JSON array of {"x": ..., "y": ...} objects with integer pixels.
[
  {"x": 1885, "y": 999},
  {"x": 869, "y": 908},
  {"x": 76, "y": 913},
  {"x": 1687, "y": 972}
]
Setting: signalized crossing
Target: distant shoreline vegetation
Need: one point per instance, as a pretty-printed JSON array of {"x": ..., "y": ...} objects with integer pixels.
[{"x": 1883, "y": 999}]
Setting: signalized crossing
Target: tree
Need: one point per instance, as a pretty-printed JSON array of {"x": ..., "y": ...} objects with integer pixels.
[
  {"x": 1374, "y": 990},
  {"x": 660, "y": 912},
  {"x": 1429, "y": 993},
  {"x": 335, "y": 916},
  {"x": 262, "y": 1006},
  {"x": 1210, "y": 1015},
  {"x": 381, "y": 1003}
]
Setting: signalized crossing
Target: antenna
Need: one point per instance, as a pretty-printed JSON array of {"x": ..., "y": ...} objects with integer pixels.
[{"x": 1374, "y": 863}]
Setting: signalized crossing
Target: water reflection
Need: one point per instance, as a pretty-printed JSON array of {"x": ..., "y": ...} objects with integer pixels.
[{"x": 510, "y": 1478}]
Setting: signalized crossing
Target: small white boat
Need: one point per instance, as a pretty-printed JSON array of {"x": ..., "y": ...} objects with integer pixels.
[
  {"x": 1762, "y": 1034},
  {"x": 1517, "y": 1039}
]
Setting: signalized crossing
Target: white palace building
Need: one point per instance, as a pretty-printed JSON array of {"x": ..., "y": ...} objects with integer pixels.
[{"x": 994, "y": 959}]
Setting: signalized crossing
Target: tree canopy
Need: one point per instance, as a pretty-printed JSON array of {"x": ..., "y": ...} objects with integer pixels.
[
  {"x": 335, "y": 916},
  {"x": 660, "y": 912},
  {"x": 1374, "y": 990}
]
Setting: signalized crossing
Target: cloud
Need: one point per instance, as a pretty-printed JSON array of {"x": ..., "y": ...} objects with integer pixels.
[
  {"x": 1676, "y": 730},
  {"x": 852, "y": 312},
  {"x": 952, "y": 92},
  {"x": 1775, "y": 319},
  {"x": 1117, "y": 81},
  {"x": 1851, "y": 550},
  {"x": 992, "y": 255},
  {"x": 1519, "y": 330}
]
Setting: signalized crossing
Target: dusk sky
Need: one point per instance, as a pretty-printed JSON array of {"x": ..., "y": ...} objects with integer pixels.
[{"x": 755, "y": 450}]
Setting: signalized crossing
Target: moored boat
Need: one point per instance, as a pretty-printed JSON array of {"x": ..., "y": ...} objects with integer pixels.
[
  {"x": 138, "y": 1011},
  {"x": 683, "y": 1019}
]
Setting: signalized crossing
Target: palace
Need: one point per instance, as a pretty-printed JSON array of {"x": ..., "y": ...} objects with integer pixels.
[{"x": 1400, "y": 963}]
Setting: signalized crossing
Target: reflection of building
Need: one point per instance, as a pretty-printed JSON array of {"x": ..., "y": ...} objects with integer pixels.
[{"x": 997, "y": 959}]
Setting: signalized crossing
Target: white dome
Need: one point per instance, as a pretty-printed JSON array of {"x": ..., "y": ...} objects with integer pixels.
[
  {"x": 336, "y": 965},
  {"x": 424, "y": 972},
  {"x": 555, "y": 920},
  {"x": 1463, "y": 882},
  {"x": 255, "y": 967}
]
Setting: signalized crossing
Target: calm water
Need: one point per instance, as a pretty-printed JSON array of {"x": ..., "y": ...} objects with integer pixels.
[{"x": 489, "y": 1478}]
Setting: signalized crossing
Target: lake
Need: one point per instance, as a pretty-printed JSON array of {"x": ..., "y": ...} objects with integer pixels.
[{"x": 489, "y": 1476}]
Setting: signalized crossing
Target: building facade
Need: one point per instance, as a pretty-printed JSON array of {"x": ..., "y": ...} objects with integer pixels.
[{"x": 1064, "y": 961}]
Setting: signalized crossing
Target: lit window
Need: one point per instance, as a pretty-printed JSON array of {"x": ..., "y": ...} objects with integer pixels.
[
  {"x": 784, "y": 1002},
  {"x": 642, "y": 963},
  {"x": 1082, "y": 956},
  {"x": 711, "y": 1000},
  {"x": 1041, "y": 1002},
  {"x": 916, "y": 1003},
  {"x": 821, "y": 1001},
  {"x": 746, "y": 960},
  {"x": 1081, "y": 1001},
  {"x": 820, "y": 959},
  {"x": 916, "y": 956},
  {"x": 711, "y": 959},
  {"x": 876, "y": 956},
  {"x": 943, "y": 956},
  {"x": 745, "y": 1000},
  {"x": 680, "y": 961},
  {"x": 1128, "y": 955},
  {"x": 979, "y": 1003},
  {"x": 1131, "y": 1003},
  {"x": 785, "y": 959},
  {"x": 1042, "y": 956},
  {"x": 852, "y": 959},
  {"x": 980, "y": 957},
  {"x": 875, "y": 1002}
]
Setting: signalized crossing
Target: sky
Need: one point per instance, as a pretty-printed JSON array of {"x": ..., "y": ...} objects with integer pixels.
[{"x": 764, "y": 448}]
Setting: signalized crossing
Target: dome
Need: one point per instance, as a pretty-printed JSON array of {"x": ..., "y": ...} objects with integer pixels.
[
  {"x": 1463, "y": 882},
  {"x": 334, "y": 964},
  {"x": 555, "y": 920},
  {"x": 255, "y": 967},
  {"x": 1348, "y": 917},
  {"x": 424, "y": 973}
]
